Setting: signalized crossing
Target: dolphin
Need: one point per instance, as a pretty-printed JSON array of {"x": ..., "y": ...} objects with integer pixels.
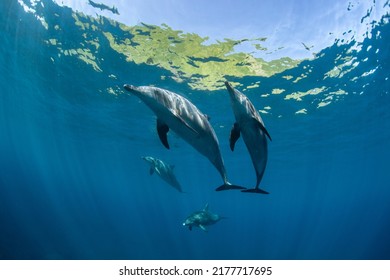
[
  {"x": 202, "y": 219},
  {"x": 175, "y": 112},
  {"x": 251, "y": 126},
  {"x": 164, "y": 170}
]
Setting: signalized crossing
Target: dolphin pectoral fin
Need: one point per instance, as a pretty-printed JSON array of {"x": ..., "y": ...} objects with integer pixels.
[
  {"x": 162, "y": 130},
  {"x": 234, "y": 135},
  {"x": 256, "y": 190},
  {"x": 151, "y": 170},
  {"x": 262, "y": 127},
  {"x": 226, "y": 187},
  {"x": 203, "y": 228},
  {"x": 190, "y": 227}
]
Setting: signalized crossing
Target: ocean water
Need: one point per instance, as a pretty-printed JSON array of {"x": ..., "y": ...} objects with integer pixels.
[{"x": 73, "y": 184}]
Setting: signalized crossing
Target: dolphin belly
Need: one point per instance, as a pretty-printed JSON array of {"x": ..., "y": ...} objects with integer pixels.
[
  {"x": 256, "y": 143},
  {"x": 202, "y": 139}
]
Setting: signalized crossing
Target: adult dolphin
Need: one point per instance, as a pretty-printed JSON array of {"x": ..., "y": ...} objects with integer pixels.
[
  {"x": 251, "y": 126},
  {"x": 202, "y": 219},
  {"x": 175, "y": 112},
  {"x": 164, "y": 170}
]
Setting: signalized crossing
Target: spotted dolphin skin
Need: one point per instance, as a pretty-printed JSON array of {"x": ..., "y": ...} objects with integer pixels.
[
  {"x": 202, "y": 219},
  {"x": 175, "y": 112},
  {"x": 164, "y": 170},
  {"x": 250, "y": 125}
]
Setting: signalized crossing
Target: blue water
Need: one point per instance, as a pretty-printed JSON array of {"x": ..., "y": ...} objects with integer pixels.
[{"x": 73, "y": 184}]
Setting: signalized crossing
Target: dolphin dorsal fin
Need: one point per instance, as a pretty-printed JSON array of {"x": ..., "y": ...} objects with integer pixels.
[{"x": 206, "y": 207}]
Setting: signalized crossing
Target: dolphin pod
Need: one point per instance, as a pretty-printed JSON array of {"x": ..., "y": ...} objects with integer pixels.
[{"x": 175, "y": 112}]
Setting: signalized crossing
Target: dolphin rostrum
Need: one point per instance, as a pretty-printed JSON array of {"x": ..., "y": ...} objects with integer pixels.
[
  {"x": 202, "y": 219},
  {"x": 175, "y": 112},
  {"x": 251, "y": 126},
  {"x": 164, "y": 170}
]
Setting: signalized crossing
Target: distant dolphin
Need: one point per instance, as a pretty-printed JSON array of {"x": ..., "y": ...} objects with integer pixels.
[
  {"x": 184, "y": 118},
  {"x": 251, "y": 126},
  {"x": 201, "y": 219},
  {"x": 164, "y": 170}
]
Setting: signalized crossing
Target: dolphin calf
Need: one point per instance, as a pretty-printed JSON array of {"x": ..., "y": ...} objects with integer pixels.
[
  {"x": 202, "y": 219},
  {"x": 164, "y": 170},
  {"x": 251, "y": 126},
  {"x": 175, "y": 112}
]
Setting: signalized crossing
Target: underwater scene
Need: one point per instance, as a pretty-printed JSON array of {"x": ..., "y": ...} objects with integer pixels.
[{"x": 125, "y": 135}]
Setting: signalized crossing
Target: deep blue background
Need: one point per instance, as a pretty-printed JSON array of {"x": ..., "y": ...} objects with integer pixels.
[{"x": 73, "y": 185}]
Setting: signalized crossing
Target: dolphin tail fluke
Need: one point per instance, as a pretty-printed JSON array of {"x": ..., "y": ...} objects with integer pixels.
[
  {"x": 226, "y": 187},
  {"x": 256, "y": 190}
]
